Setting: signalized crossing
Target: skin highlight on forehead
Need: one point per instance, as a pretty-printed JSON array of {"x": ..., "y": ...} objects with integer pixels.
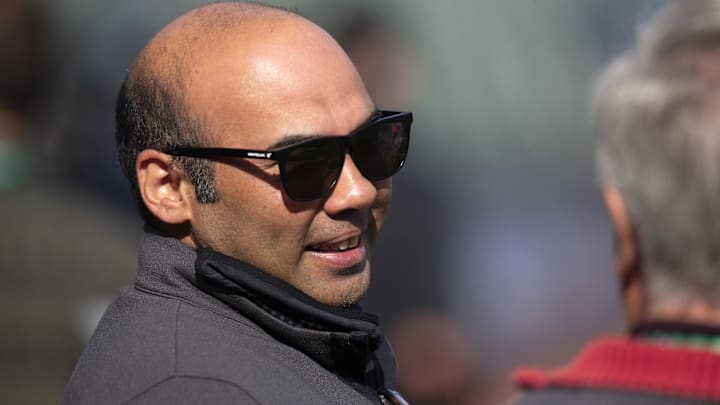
[
  {"x": 180, "y": 47},
  {"x": 267, "y": 54}
]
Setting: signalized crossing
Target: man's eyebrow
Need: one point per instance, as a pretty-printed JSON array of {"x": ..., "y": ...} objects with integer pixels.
[
  {"x": 293, "y": 139},
  {"x": 290, "y": 140}
]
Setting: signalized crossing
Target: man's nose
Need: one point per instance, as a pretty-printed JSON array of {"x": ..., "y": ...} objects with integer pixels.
[{"x": 353, "y": 191}]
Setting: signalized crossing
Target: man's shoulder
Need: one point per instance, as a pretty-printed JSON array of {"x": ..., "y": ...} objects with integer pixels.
[
  {"x": 149, "y": 347},
  {"x": 626, "y": 370},
  {"x": 144, "y": 340}
]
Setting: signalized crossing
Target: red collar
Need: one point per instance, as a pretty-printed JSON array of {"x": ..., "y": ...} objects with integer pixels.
[{"x": 634, "y": 365}]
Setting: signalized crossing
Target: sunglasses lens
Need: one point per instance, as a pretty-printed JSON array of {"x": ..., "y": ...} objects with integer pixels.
[
  {"x": 312, "y": 169},
  {"x": 380, "y": 150}
]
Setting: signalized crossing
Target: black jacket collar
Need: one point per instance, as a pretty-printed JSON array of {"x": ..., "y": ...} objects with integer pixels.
[{"x": 344, "y": 341}]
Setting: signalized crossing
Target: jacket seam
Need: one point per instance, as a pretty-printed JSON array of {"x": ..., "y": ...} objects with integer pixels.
[
  {"x": 177, "y": 328},
  {"x": 189, "y": 376}
]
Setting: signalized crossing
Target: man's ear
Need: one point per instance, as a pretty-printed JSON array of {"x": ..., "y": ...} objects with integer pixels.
[
  {"x": 627, "y": 254},
  {"x": 163, "y": 189}
]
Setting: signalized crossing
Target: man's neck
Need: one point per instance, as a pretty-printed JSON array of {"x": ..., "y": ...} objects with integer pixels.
[{"x": 697, "y": 311}]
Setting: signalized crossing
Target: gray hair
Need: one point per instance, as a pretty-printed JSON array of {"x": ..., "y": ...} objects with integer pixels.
[{"x": 656, "y": 107}]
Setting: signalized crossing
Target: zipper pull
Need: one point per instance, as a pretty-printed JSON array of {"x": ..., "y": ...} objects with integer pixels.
[
  {"x": 383, "y": 399},
  {"x": 390, "y": 397}
]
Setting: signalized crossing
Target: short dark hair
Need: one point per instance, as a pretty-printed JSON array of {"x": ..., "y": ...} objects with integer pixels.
[{"x": 152, "y": 114}]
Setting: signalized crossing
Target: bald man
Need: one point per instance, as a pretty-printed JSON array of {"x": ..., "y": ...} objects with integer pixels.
[{"x": 263, "y": 172}]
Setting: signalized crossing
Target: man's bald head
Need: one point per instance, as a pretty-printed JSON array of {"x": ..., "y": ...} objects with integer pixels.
[
  {"x": 186, "y": 42},
  {"x": 157, "y": 107}
]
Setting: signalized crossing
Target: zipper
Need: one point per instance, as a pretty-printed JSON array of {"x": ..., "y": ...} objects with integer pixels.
[
  {"x": 390, "y": 397},
  {"x": 383, "y": 399}
]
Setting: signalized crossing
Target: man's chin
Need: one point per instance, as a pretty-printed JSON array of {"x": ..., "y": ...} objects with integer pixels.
[{"x": 346, "y": 289}]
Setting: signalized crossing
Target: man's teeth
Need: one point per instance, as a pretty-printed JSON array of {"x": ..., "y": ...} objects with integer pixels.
[{"x": 344, "y": 245}]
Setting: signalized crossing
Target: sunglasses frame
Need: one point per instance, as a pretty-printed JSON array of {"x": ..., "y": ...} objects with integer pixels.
[{"x": 280, "y": 155}]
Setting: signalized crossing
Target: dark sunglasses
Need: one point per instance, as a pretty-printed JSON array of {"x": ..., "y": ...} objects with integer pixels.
[{"x": 310, "y": 169}]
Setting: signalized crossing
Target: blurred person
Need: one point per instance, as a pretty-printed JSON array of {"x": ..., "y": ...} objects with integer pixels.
[
  {"x": 24, "y": 83},
  {"x": 381, "y": 47},
  {"x": 438, "y": 363},
  {"x": 61, "y": 251},
  {"x": 658, "y": 157},
  {"x": 253, "y": 259}
]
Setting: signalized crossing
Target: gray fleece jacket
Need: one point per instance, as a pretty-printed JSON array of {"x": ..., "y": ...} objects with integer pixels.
[{"x": 202, "y": 328}]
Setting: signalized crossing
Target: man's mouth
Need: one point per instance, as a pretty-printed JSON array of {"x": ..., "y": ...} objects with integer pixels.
[
  {"x": 346, "y": 253},
  {"x": 347, "y": 244}
]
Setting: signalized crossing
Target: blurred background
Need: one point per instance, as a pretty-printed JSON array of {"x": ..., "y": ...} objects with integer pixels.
[{"x": 497, "y": 252}]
